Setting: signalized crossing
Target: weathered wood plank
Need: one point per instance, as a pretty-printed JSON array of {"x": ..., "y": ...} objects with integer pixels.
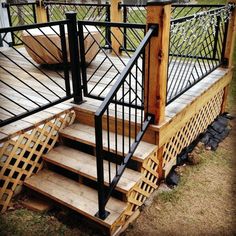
[
  {"x": 86, "y": 134},
  {"x": 74, "y": 195},
  {"x": 85, "y": 165}
]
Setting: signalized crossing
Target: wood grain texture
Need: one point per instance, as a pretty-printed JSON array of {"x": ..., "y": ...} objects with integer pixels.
[
  {"x": 157, "y": 62},
  {"x": 85, "y": 165},
  {"x": 74, "y": 195},
  {"x": 116, "y": 34},
  {"x": 86, "y": 134},
  {"x": 231, "y": 34}
]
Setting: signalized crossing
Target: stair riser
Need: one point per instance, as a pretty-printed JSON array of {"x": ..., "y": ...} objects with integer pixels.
[{"x": 88, "y": 119}]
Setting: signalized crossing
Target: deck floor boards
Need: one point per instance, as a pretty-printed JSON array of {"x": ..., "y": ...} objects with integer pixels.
[{"x": 52, "y": 77}]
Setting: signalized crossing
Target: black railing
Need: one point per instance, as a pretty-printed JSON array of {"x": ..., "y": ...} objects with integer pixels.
[
  {"x": 137, "y": 13},
  {"x": 20, "y": 14},
  {"x": 128, "y": 89},
  {"x": 30, "y": 80},
  {"x": 102, "y": 64},
  {"x": 85, "y": 11},
  {"x": 134, "y": 13},
  {"x": 196, "y": 48},
  {"x": 183, "y": 10}
]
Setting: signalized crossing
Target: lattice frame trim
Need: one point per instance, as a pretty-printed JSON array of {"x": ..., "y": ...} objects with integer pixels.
[
  {"x": 20, "y": 156},
  {"x": 190, "y": 130}
]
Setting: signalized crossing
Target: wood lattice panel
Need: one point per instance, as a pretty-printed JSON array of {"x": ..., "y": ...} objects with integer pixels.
[
  {"x": 20, "y": 156},
  {"x": 144, "y": 188},
  {"x": 189, "y": 132}
]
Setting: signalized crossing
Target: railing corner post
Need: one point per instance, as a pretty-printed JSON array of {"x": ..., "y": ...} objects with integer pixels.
[
  {"x": 116, "y": 16},
  {"x": 229, "y": 50},
  {"x": 156, "y": 59},
  {"x": 231, "y": 34},
  {"x": 74, "y": 56},
  {"x": 41, "y": 14}
]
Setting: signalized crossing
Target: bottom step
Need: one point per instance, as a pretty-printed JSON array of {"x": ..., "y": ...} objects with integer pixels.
[{"x": 75, "y": 196}]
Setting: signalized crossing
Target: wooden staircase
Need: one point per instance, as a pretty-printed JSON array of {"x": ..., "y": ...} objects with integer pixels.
[{"x": 71, "y": 175}]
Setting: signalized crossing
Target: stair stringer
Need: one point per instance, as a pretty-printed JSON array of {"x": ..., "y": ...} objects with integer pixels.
[{"x": 141, "y": 190}]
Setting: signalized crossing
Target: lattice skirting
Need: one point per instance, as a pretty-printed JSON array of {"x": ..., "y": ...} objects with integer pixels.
[
  {"x": 191, "y": 129},
  {"x": 143, "y": 189},
  {"x": 20, "y": 156}
]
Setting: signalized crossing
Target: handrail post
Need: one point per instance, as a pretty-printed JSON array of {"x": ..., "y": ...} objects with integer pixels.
[
  {"x": 156, "y": 59},
  {"x": 102, "y": 213},
  {"x": 108, "y": 19},
  {"x": 116, "y": 16},
  {"x": 74, "y": 56},
  {"x": 229, "y": 50},
  {"x": 41, "y": 14}
]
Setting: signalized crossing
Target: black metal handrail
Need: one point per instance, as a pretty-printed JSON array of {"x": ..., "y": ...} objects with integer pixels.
[
  {"x": 104, "y": 111},
  {"x": 28, "y": 86},
  {"x": 197, "y": 44}
]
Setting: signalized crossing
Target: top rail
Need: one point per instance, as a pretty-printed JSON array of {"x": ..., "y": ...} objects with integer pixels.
[
  {"x": 198, "y": 15},
  {"x": 31, "y": 26},
  {"x": 5, "y": 4},
  {"x": 76, "y": 4}
]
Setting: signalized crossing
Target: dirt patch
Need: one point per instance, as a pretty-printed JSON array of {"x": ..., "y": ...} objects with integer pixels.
[{"x": 204, "y": 201}]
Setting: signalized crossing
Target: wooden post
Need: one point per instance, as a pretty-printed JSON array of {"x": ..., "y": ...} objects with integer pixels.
[
  {"x": 41, "y": 13},
  {"x": 116, "y": 16},
  {"x": 229, "y": 50},
  {"x": 158, "y": 12}
]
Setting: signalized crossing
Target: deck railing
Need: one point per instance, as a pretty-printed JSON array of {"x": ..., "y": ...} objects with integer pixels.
[
  {"x": 28, "y": 87},
  {"x": 183, "y": 10},
  {"x": 133, "y": 97},
  {"x": 197, "y": 45},
  {"x": 129, "y": 91},
  {"x": 134, "y": 13},
  {"x": 85, "y": 11},
  {"x": 106, "y": 64},
  {"x": 137, "y": 13},
  {"x": 20, "y": 14}
]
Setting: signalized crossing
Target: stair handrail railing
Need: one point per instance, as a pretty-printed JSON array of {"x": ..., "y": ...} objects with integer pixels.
[{"x": 111, "y": 98}]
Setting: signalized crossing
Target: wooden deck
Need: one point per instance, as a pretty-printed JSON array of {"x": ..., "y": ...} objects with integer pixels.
[
  {"x": 156, "y": 154},
  {"x": 43, "y": 83}
]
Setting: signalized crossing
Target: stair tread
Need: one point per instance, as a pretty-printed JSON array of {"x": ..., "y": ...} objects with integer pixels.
[
  {"x": 74, "y": 195},
  {"x": 85, "y": 165},
  {"x": 86, "y": 134}
]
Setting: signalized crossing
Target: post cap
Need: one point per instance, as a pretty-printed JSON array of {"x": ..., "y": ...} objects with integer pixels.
[
  {"x": 70, "y": 13},
  {"x": 159, "y": 2}
]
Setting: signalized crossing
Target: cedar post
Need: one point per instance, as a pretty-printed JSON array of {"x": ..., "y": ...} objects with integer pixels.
[
  {"x": 158, "y": 12},
  {"x": 116, "y": 34},
  {"x": 229, "y": 50},
  {"x": 229, "y": 47},
  {"x": 156, "y": 65},
  {"x": 41, "y": 13}
]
